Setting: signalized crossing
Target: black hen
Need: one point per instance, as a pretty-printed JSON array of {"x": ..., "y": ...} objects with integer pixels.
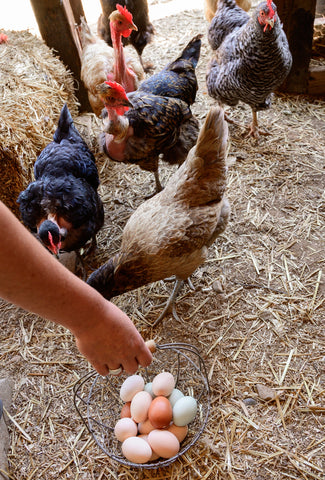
[
  {"x": 140, "y": 12},
  {"x": 178, "y": 78},
  {"x": 153, "y": 125},
  {"x": 62, "y": 204}
]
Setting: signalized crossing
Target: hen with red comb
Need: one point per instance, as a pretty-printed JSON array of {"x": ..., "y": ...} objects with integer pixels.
[
  {"x": 62, "y": 205},
  {"x": 139, "y": 11},
  {"x": 251, "y": 59}
]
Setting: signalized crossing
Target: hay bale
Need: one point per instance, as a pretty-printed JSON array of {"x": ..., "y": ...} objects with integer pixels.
[{"x": 34, "y": 85}]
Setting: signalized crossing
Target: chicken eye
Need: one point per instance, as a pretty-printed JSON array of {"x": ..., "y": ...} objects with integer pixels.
[{"x": 262, "y": 13}]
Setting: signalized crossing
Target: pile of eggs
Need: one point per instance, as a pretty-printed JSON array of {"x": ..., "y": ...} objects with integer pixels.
[{"x": 154, "y": 418}]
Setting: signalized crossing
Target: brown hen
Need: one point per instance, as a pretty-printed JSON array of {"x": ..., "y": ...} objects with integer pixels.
[
  {"x": 210, "y": 7},
  {"x": 170, "y": 233}
]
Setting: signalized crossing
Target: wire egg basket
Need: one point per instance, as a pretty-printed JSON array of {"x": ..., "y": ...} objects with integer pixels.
[{"x": 97, "y": 399}]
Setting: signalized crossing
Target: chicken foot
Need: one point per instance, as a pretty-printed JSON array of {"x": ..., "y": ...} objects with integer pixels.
[
  {"x": 253, "y": 130},
  {"x": 170, "y": 305}
]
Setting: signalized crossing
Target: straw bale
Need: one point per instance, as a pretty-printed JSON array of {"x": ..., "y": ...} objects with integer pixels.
[{"x": 34, "y": 84}]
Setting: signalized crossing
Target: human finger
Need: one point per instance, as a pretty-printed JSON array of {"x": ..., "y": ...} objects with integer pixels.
[{"x": 102, "y": 369}]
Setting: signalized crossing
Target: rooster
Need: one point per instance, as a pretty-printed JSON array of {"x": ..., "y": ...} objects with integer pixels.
[
  {"x": 62, "y": 204},
  {"x": 178, "y": 78},
  {"x": 99, "y": 62},
  {"x": 252, "y": 56},
  {"x": 170, "y": 233},
  {"x": 139, "y": 38},
  {"x": 141, "y": 126}
]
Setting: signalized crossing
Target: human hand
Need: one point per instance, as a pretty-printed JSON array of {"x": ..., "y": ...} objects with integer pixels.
[{"x": 112, "y": 342}]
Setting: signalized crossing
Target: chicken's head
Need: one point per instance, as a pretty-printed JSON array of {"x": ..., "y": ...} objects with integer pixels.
[
  {"x": 121, "y": 21},
  {"x": 49, "y": 234},
  {"x": 267, "y": 15},
  {"x": 114, "y": 97}
]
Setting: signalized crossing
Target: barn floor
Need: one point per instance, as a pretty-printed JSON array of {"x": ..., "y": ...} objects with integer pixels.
[{"x": 256, "y": 316}]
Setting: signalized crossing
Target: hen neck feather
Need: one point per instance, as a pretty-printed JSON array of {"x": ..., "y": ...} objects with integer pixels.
[
  {"x": 251, "y": 37},
  {"x": 122, "y": 73},
  {"x": 116, "y": 125}
]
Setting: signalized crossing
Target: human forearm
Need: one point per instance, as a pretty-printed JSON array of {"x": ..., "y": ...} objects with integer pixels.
[{"x": 33, "y": 279}]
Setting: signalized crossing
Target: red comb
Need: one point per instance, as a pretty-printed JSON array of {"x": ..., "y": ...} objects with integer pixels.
[
  {"x": 125, "y": 12},
  {"x": 118, "y": 88},
  {"x": 269, "y": 4}
]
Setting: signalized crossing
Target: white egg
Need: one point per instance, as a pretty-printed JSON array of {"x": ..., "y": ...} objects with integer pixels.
[
  {"x": 140, "y": 404},
  {"x": 136, "y": 450},
  {"x": 124, "y": 428},
  {"x": 130, "y": 387},
  {"x": 174, "y": 396},
  {"x": 184, "y": 411},
  {"x": 163, "y": 384}
]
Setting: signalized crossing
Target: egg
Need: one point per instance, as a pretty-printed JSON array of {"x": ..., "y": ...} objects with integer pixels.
[
  {"x": 160, "y": 412},
  {"x": 163, "y": 384},
  {"x": 184, "y": 411},
  {"x": 140, "y": 405},
  {"x": 148, "y": 388},
  {"x": 145, "y": 427},
  {"x": 154, "y": 455},
  {"x": 124, "y": 428},
  {"x": 179, "y": 432},
  {"x": 136, "y": 450},
  {"x": 130, "y": 387},
  {"x": 163, "y": 443},
  {"x": 125, "y": 410},
  {"x": 174, "y": 396}
]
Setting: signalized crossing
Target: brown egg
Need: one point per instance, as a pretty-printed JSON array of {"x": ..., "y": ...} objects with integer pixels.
[
  {"x": 126, "y": 410},
  {"x": 179, "y": 432},
  {"x": 160, "y": 412}
]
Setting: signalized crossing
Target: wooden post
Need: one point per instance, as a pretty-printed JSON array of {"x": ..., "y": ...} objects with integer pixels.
[
  {"x": 56, "y": 25},
  {"x": 298, "y": 17}
]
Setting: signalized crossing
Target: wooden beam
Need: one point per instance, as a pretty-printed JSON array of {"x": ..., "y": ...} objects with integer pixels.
[
  {"x": 316, "y": 83},
  {"x": 56, "y": 22},
  {"x": 298, "y": 17}
]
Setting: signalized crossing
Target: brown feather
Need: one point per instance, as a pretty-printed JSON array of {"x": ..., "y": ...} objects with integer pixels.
[{"x": 169, "y": 233}]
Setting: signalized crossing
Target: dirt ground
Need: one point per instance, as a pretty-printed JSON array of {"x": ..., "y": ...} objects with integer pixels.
[{"x": 256, "y": 315}]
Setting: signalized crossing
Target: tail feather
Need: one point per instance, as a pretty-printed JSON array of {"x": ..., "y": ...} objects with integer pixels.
[
  {"x": 213, "y": 137},
  {"x": 86, "y": 36},
  {"x": 192, "y": 50},
  {"x": 65, "y": 128}
]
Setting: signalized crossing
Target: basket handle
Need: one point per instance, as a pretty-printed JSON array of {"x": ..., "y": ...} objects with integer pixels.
[{"x": 151, "y": 344}]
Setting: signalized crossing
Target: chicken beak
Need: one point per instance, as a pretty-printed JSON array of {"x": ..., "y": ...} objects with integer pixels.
[
  {"x": 269, "y": 23},
  {"x": 133, "y": 27},
  {"x": 127, "y": 103}
]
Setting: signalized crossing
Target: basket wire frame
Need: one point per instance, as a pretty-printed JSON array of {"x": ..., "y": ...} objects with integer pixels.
[{"x": 97, "y": 399}]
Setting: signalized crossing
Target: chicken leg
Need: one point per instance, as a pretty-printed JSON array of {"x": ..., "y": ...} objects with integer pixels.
[{"x": 170, "y": 305}]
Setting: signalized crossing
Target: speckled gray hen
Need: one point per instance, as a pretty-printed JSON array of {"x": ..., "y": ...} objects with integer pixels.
[{"x": 252, "y": 56}]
